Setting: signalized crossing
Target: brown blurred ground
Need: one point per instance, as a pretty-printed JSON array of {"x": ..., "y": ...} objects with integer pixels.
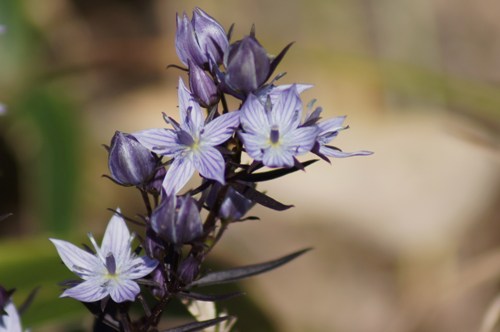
[{"x": 405, "y": 240}]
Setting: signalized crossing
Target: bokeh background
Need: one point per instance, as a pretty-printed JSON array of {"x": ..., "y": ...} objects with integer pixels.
[{"x": 405, "y": 240}]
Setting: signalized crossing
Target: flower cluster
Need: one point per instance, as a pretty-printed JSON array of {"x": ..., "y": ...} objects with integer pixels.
[{"x": 180, "y": 228}]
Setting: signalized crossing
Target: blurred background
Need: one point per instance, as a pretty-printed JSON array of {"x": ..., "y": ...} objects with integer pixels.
[{"x": 405, "y": 240}]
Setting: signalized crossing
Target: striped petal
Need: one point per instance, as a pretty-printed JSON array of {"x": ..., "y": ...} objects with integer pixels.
[
  {"x": 88, "y": 291},
  {"x": 159, "y": 140},
  {"x": 178, "y": 175},
  {"x": 210, "y": 163},
  {"x": 123, "y": 290},
  {"x": 76, "y": 259},
  {"x": 221, "y": 129}
]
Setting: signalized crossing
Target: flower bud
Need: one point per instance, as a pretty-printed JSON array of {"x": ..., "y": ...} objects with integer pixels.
[
  {"x": 188, "y": 269},
  {"x": 177, "y": 224},
  {"x": 155, "y": 184},
  {"x": 233, "y": 207},
  {"x": 247, "y": 65},
  {"x": 160, "y": 290},
  {"x": 130, "y": 163},
  {"x": 200, "y": 40},
  {"x": 203, "y": 87}
]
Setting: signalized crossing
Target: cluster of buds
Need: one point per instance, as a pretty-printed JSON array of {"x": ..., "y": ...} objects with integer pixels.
[{"x": 180, "y": 228}]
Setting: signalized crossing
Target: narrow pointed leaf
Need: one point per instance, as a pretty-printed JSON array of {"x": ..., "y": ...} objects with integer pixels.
[
  {"x": 278, "y": 59},
  {"x": 198, "y": 326},
  {"x": 231, "y": 275},
  {"x": 274, "y": 174},
  {"x": 258, "y": 197}
]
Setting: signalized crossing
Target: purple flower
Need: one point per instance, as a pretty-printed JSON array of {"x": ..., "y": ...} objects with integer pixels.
[
  {"x": 3, "y": 109},
  {"x": 328, "y": 130},
  {"x": 201, "y": 40},
  {"x": 111, "y": 271},
  {"x": 272, "y": 133},
  {"x": 2, "y": 29},
  {"x": 191, "y": 143},
  {"x": 9, "y": 321}
]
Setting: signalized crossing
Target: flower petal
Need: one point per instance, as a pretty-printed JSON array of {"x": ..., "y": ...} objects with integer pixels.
[
  {"x": 210, "y": 163},
  {"x": 301, "y": 140},
  {"x": 192, "y": 119},
  {"x": 254, "y": 144},
  {"x": 331, "y": 125},
  {"x": 253, "y": 116},
  {"x": 75, "y": 258},
  {"x": 123, "y": 290},
  {"x": 159, "y": 140},
  {"x": 277, "y": 156},
  {"x": 116, "y": 239},
  {"x": 287, "y": 110},
  {"x": 10, "y": 322},
  {"x": 330, "y": 152},
  {"x": 90, "y": 290},
  {"x": 221, "y": 129},
  {"x": 139, "y": 267},
  {"x": 178, "y": 175}
]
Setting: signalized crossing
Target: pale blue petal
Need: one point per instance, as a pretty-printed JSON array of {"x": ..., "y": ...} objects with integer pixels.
[
  {"x": 287, "y": 111},
  {"x": 277, "y": 156},
  {"x": 139, "y": 267},
  {"x": 254, "y": 118},
  {"x": 330, "y": 152},
  {"x": 159, "y": 140},
  {"x": 221, "y": 129},
  {"x": 75, "y": 258},
  {"x": 301, "y": 140},
  {"x": 331, "y": 125},
  {"x": 210, "y": 163},
  {"x": 123, "y": 290},
  {"x": 116, "y": 238},
  {"x": 254, "y": 144},
  {"x": 11, "y": 321},
  {"x": 90, "y": 290},
  {"x": 178, "y": 174},
  {"x": 192, "y": 119},
  {"x": 277, "y": 90}
]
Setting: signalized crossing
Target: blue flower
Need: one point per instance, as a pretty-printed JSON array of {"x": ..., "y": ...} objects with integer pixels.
[
  {"x": 272, "y": 132},
  {"x": 191, "y": 143},
  {"x": 111, "y": 271}
]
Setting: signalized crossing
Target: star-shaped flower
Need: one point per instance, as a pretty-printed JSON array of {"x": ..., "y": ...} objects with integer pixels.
[
  {"x": 272, "y": 132},
  {"x": 111, "y": 271},
  {"x": 191, "y": 143}
]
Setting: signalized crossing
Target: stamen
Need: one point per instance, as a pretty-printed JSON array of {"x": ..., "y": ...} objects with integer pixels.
[
  {"x": 111, "y": 264},
  {"x": 275, "y": 134},
  {"x": 96, "y": 247}
]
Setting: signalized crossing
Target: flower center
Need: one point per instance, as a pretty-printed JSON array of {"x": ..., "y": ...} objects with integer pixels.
[
  {"x": 274, "y": 137},
  {"x": 111, "y": 264}
]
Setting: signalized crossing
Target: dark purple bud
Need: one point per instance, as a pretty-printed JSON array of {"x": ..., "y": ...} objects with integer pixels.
[
  {"x": 247, "y": 66},
  {"x": 177, "y": 224},
  {"x": 153, "y": 246},
  {"x": 154, "y": 185},
  {"x": 234, "y": 206},
  {"x": 203, "y": 87},
  {"x": 200, "y": 40},
  {"x": 160, "y": 290},
  {"x": 211, "y": 35},
  {"x": 189, "y": 269},
  {"x": 129, "y": 162}
]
